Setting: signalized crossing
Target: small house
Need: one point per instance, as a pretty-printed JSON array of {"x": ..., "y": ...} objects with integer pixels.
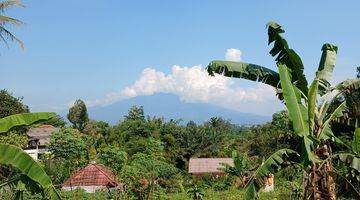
[
  {"x": 91, "y": 178},
  {"x": 201, "y": 166},
  {"x": 39, "y": 139}
]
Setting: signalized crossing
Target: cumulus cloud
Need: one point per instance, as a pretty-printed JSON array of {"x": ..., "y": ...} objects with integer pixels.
[
  {"x": 193, "y": 84},
  {"x": 233, "y": 55}
]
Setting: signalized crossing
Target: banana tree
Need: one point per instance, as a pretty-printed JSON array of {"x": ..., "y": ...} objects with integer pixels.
[
  {"x": 240, "y": 168},
  {"x": 32, "y": 176},
  {"x": 308, "y": 108}
]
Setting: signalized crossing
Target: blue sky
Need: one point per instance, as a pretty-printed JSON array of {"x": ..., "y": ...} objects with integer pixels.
[{"x": 90, "y": 49}]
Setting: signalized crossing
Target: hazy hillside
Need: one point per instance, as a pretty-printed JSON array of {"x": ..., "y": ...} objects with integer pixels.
[{"x": 170, "y": 107}]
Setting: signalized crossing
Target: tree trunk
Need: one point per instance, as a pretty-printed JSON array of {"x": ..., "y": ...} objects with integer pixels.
[{"x": 320, "y": 185}]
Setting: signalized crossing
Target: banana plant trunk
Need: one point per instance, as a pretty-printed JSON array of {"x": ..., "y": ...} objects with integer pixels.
[{"x": 319, "y": 184}]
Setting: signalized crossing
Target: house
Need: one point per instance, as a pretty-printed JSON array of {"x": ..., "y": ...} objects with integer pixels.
[
  {"x": 91, "y": 178},
  {"x": 201, "y": 166},
  {"x": 39, "y": 139}
]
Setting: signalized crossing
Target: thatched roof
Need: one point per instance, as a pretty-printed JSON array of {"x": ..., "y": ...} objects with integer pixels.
[
  {"x": 208, "y": 165},
  {"x": 42, "y": 134},
  {"x": 92, "y": 175}
]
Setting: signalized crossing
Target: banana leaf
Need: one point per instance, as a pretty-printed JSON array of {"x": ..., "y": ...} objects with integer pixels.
[
  {"x": 16, "y": 157},
  {"x": 24, "y": 119}
]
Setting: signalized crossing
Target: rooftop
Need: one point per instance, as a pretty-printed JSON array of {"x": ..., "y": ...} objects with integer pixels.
[
  {"x": 42, "y": 133},
  {"x": 208, "y": 165},
  {"x": 92, "y": 175}
]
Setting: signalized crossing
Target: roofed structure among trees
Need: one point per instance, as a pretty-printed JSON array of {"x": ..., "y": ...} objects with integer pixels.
[
  {"x": 91, "y": 178},
  {"x": 200, "y": 166}
]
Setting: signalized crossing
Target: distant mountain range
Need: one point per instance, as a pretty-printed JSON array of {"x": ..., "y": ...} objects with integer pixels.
[{"x": 170, "y": 107}]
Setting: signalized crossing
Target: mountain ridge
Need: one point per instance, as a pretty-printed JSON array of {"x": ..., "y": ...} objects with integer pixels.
[{"x": 169, "y": 106}]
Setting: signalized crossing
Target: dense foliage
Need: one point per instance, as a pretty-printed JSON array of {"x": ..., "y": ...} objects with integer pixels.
[{"x": 312, "y": 110}]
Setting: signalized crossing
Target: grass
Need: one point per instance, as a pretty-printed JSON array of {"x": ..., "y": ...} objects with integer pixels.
[{"x": 235, "y": 194}]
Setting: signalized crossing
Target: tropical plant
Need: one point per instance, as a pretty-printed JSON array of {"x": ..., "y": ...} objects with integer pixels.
[
  {"x": 32, "y": 176},
  {"x": 144, "y": 172},
  {"x": 10, "y": 105},
  {"x": 19, "y": 140},
  {"x": 5, "y": 34},
  {"x": 196, "y": 193},
  {"x": 240, "y": 168},
  {"x": 308, "y": 108},
  {"x": 352, "y": 161}
]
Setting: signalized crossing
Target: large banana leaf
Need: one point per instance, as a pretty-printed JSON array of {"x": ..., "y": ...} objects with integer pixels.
[
  {"x": 312, "y": 101},
  {"x": 325, "y": 130},
  {"x": 356, "y": 142},
  {"x": 326, "y": 66},
  {"x": 244, "y": 70},
  {"x": 298, "y": 113},
  {"x": 274, "y": 163},
  {"x": 24, "y": 119},
  {"x": 287, "y": 56},
  {"x": 353, "y": 159},
  {"x": 16, "y": 157},
  {"x": 350, "y": 84}
]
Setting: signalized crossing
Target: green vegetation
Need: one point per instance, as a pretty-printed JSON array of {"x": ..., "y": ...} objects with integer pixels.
[
  {"x": 313, "y": 147},
  {"x": 31, "y": 176},
  {"x": 311, "y": 109},
  {"x": 78, "y": 115},
  {"x": 150, "y": 156}
]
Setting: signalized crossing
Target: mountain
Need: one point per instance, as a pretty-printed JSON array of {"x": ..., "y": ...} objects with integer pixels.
[{"x": 170, "y": 107}]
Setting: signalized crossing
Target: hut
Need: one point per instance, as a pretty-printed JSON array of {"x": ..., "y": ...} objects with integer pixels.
[
  {"x": 201, "y": 166},
  {"x": 91, "y": 178},
  {"x": 39, "y": 139}
]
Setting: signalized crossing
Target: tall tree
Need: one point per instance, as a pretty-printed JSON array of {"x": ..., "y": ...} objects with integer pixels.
[
  {"x": 136, "y": 113},
  {"x": 5, "y": 21},
  {"x": 358, "y": 72},
  {"x": 311, "y": 117},
  {"x": 10, "y": 105},
  {"x": 78, "y": 114}
]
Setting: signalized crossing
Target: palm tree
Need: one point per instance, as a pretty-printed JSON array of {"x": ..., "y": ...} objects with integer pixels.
[
  {"x": 5, "y": 34},
  {"x": 32, "y": 176},
  {"x": 308, "y": 108}
]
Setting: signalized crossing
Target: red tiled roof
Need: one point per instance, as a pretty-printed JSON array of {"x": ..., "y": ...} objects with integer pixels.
[{"x": 92, "y": 175}]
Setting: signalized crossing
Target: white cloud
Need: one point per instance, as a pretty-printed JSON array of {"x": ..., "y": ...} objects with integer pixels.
[
  {"x": 233, "y": 55},
  {"x": 193, "y": 84}
]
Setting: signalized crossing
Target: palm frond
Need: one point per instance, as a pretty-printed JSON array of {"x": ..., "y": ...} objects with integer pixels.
[
  {"x": 5, "y": 34},
  {"x": 5, "y": 19},
  {"x": 9, "y": 3}
]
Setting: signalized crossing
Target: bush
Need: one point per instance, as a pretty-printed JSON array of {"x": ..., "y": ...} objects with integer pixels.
[{"x": 222, "y": 183}]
